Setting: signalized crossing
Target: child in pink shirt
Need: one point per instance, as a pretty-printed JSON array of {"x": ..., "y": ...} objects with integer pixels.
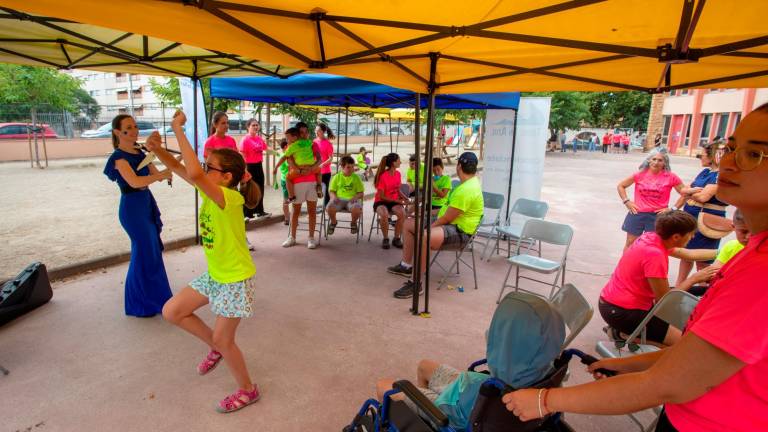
[{"x": 252, "y": 146}]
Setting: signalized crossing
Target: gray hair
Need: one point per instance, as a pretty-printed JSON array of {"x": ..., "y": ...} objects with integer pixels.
[{"x": 647, "y": 162}]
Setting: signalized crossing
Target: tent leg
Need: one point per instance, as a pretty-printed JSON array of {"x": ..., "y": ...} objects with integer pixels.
[
  {"x": 346, "y": 127},
  {"x": 195, "y": 81},
  {"x": 417, "y": 150}
]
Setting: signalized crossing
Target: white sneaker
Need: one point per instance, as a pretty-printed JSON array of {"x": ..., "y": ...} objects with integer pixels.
[
  {"x": 289, "y": 242},
  {"x": 250, "y": 245},
  {"x": 311, "y": 243}
]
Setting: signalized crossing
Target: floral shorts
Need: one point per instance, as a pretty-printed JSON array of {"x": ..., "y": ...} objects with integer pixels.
[{"x": 229, "y": 300}]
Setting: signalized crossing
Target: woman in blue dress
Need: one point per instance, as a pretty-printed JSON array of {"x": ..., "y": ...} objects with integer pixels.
[
  {"x": 146, "y": 284},
  {"x": 700, "y": 196}
]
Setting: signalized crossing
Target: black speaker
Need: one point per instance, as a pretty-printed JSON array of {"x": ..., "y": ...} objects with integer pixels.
[{"x": 27, "y": 291}]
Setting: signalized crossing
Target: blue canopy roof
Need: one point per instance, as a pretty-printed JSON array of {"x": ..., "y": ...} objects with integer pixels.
[{"x": 333, "y": 90}]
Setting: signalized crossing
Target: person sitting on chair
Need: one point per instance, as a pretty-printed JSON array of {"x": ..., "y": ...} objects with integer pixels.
[
  {"x": 525, "y": 337},
  {"x": 410, "y": 174},
  {"x": 640, "y": 278},
  {"x": 346, "y": 194},
  {"x": 441, "y": 185},
  {"x": 456, "y": 222}
]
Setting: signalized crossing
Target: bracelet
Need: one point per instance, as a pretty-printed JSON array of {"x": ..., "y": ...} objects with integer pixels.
[
  {"x": 546, "y": 409},
  {"x": 541, "y": 414},
  {"x": 625, "y": 201}
]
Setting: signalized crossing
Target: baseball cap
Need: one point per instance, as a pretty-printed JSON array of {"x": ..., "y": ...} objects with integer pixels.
[{"x": 468, "y": 158}]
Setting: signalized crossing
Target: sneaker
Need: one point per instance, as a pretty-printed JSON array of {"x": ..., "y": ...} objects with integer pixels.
[
  {"x": 250, "y": 245},
  {"x": 289, "y": 242},
  {"x": 400, "y": 269},
  {"x": 353, "y": 228},
  {"x": 385, "y": 243},
  {"x": 311, "y": 243},
  {"x": 396, "y": 242},
  {"x": 331, "y": 228},
  {"x": 406, "y": 291},
  {"x": 263, "y": 215}
]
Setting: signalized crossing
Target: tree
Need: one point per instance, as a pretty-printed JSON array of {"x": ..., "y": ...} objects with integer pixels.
[
  {"x": 168, "y": 92},
  {"x": 29, "y": 88},
  {"x": 569, "y": 110},
  {"x": 87, "y": 105},
  {"x": 620, "y": 109}
]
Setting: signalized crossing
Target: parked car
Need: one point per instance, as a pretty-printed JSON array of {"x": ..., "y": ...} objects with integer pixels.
[
  {"x": 20, "y": 131},
  {"x": 105, "y": 131}
]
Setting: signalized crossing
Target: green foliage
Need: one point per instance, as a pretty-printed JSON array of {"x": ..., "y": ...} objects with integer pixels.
[
  {"x": 86, "y": 104},
  {"x": 620, "y": 109},
  {"x": 168, "y": 92},
  {"x": 569, "y": 110},
  {"x": 29, "y": 86},
  {"x": 306, "y": 115}
]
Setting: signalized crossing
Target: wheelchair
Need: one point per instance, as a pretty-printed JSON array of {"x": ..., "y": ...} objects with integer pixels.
[{"x": 488, "y": 414}]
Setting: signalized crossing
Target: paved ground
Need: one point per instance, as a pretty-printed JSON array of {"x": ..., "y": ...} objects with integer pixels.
[{"x": 325, "y": 328}]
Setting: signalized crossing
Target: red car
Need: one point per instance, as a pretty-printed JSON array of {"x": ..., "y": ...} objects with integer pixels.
[{"x": 19, "y": 131}]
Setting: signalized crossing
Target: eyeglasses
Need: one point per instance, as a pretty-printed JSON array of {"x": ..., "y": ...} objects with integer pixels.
[
  {"x": 207, "y": 167},
  {"x": 747, "y": 157}
]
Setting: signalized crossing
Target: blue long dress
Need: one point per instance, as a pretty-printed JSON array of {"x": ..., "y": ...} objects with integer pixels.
[{"x": 146, "y": 284}]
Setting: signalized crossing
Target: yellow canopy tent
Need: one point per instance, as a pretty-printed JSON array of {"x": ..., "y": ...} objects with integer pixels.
[{"x": 484, "y": 46}]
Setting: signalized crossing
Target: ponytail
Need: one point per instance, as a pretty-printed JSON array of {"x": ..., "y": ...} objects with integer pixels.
[
  {"x": 232, "y": 162},
  {"x": 251, "y": 192},
  {"x": 327, "y": 131}
]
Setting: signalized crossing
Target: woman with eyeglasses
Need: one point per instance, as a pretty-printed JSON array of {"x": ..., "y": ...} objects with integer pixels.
[
  {"x": 716, "y": 377},
  {"x": 653, "y": 182},
  {"x": 700, "y": 197}
]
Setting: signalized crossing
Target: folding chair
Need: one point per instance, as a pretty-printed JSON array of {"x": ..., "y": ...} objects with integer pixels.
[
  {"x": 674, "y": 308},
  {"x": 486, "y": 230},
  {"x": 574, "y": 309},
  {"x": 448, "y": 272},
  {"x": 319, "y": 225},
  {"x": 537, "y": 230},
  {"x": 523, "y": 210},
  {"x": 347, "y": 223},
  {"x": 404, "y": 190}
]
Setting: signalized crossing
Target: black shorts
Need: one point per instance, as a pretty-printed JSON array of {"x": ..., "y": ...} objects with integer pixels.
[
  {"x": 627, "y": 320},
  {"x": 453, "y": 237},
  {"x": 388, "y": 204}
]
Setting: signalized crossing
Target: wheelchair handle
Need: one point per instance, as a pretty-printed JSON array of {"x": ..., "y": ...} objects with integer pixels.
[
  {"x": 411, "y": 392},
  {"x": 587, "y": 360}
]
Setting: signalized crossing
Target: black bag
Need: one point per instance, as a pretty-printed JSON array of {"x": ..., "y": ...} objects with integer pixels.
[{"x": 27, "y": 291}]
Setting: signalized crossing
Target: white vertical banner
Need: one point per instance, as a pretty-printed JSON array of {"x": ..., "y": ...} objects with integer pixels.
[
  {"x": 530, "y": 140},
  {"x": 186, "y": 87}
]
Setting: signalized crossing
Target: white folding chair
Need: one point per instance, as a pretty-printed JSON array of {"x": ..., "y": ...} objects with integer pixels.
[
  {"x": 551, "y": 233},
  {"x": 522, "y": 210},
  {"x": 404, "y": 190},
  {"x": 574, "y": 309},
  {"x": 492, "y": 203},
  {"x": 347, "y": 224},
  {"x": 457, "y": 261}
]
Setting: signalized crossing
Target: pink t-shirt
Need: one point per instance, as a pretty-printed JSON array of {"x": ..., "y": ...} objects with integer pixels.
[
  {"x": 652, "y": 190},
  {"x": 628, "y": 286},
  {"x": 625, "y": 139},
  {"x": 326, "y": 152},
  {"x": 213, "y": 142},
  {"x": 388, "y": 186},
  {"x": 252, "y": 148},
  {"x": 308, "y": 178},
  {"x": 732, "y": 316}
]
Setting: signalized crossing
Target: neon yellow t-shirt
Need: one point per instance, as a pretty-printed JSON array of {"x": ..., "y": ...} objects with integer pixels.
[
  {"x": 361, "y": 161},
  {"x": 346, "y": 187},
  {"x": 729, "y": 250},
  {"x": 283, "y": 168},
  {"x": 410, "y": 175},
  {"x": 302, "y": 153},
  {"x": 467, "y": 197},
  {"x": 444, "y": 182},
  {"x": 222, "y": 234}
]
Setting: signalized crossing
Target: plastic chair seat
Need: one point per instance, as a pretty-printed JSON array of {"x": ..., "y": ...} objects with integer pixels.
[
  {"x": 514, "y": 231},
  {"x": 607, "y": 349},
  {"x": 530, "y": 262}
]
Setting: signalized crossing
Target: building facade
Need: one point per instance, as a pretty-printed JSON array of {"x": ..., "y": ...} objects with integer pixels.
[{"x": 688, "y": 118}]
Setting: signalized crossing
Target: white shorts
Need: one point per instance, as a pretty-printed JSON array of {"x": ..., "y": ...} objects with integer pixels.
[{"x": 305, "y": 191}]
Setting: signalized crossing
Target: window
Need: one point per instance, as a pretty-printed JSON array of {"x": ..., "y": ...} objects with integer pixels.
[
  {"x": 121, "y": 77},
  {"x": 683, "y": 92},
  {"x": 672, "y": 92},
  {"x": 109, "y": 92},
  {"x": 687, "y": 120},
  {"x": 736, "y": 120},
  {"x": 665, "y": 129},
  {"x": 95, "y": 92},
  {"x": 722, "y": 125},
  {"x": 706, "y": 124}
]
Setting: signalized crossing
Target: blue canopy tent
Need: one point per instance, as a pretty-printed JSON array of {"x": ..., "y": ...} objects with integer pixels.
[{"x": 336, "y": 91}]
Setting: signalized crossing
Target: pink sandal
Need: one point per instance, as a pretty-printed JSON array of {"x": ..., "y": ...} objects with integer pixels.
[
  {"x": 235, "y": 402},
  {"x": 209, "y": 362}
]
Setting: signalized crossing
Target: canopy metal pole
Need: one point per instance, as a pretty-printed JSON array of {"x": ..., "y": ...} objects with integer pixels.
[
  {"x": 269, "y": 135},
  {"x": 390, "y": 133},
  {"x": 427, "y": 207},
  {"x": 195, "y": 81},
  {"x": 338, "y": 134},
  {"x": 416, "y": 255},
  {"x": 397, "y": 142},
  {"x": 511, "y": 167},
  {"x": 346, "y": 127}
]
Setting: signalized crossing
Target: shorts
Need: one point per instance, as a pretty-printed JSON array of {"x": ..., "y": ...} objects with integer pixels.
[
  {"x": 441, "y": 378},
  {"x": 345, "y": 205},
  {"x": 388, "y": 204},
  {"x": 453, "y": 237},
  {"x": 627, "y": 320},
  {"x": 636, "y": 224},
  {"x": 305, "y": 191},
  {"x": 229, "y": 300}
]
